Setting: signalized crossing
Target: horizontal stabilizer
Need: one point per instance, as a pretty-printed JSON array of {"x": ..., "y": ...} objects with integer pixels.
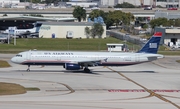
[{"x": 152, "y": 58}]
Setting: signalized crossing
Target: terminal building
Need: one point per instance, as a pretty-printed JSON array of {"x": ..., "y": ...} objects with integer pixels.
[
  {"x": 66, "y": 30},
  {"x": 153, "y": 3},
  {"x": 9, "y": 1}
]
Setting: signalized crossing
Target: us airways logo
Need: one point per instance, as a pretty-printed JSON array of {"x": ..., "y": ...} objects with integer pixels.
[{"x": 152, "y": 45}]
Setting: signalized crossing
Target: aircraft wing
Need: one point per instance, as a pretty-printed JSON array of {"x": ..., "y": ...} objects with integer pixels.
[{"x": 85, "y": 61}]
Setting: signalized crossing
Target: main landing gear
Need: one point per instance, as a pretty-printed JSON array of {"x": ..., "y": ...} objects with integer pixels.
[
  {"x": 86, "y": 70},
  {"x": 28, "y": 70}
]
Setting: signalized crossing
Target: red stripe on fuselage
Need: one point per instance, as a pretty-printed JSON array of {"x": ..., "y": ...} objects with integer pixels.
[{"x": 33, "y": 62}]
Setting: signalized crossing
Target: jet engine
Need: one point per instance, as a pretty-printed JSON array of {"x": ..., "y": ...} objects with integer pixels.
[{"x": 72, "y": 66}]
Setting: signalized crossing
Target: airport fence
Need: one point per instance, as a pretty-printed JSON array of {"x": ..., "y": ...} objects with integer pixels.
[
  {"x": 122, "y": 36},
  {"x": 127, "y": 38}
]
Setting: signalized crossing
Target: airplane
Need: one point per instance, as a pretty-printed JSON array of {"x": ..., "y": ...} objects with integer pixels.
[
  {"x": 76, "y": 60},
  {"x": 23, "y": 33}
]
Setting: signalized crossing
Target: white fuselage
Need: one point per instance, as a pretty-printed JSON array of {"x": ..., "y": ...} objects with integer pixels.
[
  {"x": 19, "y": 32},
  {"x": 99, "y": 58}
]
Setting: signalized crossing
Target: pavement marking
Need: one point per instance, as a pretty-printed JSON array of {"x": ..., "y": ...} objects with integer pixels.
[
  {"x": 146, "y": 89},
  {"x": 140, "y": 90},
  {"x": 170, "y": 96},
  {"x": 65, "y": 85}
]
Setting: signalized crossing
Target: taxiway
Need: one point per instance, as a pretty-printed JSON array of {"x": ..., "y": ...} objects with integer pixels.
[{"x": 150, "y": 85}]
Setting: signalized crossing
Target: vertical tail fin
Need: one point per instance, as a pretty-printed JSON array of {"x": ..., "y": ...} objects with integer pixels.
[{"x": 152, "y": 45}]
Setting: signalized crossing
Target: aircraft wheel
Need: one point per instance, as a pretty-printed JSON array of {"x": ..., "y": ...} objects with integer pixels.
[
  {"x": 28, "y": 69},
  {"x": 86, "y": 70}
]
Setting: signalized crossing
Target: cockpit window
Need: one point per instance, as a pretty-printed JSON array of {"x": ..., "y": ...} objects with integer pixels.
[{"x": 18, "y": 55}]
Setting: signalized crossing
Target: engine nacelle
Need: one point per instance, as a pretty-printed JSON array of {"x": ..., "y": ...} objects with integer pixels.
[{"x": 72, "y": 66}]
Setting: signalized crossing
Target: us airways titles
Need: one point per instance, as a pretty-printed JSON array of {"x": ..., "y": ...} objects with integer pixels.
[{"x": 57, "y": 53}]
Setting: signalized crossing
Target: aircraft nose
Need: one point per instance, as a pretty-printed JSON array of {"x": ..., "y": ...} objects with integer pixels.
[{"x": 13, "y": 60}]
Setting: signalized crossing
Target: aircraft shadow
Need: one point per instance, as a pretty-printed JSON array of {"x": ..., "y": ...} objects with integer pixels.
[
  {"x": 56, "y": 71},
  {"x": 79, "y": 71},
  {"x": 92, "y": 72},
  {"x": 126, "y": 71}
]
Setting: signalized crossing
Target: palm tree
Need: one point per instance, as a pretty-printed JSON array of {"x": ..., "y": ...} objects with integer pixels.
[{"x": 79, "y": 13}]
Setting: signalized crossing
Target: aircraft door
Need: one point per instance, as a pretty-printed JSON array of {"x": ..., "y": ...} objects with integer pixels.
[{"x": 28, "y": 55}]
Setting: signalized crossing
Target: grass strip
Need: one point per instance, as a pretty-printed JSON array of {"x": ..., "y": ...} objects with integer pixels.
[
  {"x": 11, "y": 89},
  {"x": 173, "y": 53},
  {"x": 178, "y": 61},
  {"x": 32, "y": 89},
  {"x": 4, "y": 64},
  {"x": 60, "y": 44}
]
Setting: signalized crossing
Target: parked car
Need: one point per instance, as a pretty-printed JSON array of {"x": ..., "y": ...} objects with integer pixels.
[
  {"x": 142, "y": 32},
  {"x": 148, "y": 8},
  {"x": 117, "y": 8},
  {"x": 95, "y": 8},
  {"x": 172, "y": 8},
  {"x": 157, "y": 10}
]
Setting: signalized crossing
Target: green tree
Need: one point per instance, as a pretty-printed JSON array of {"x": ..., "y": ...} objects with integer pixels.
[
  {"x": 145, "y": 26},
  {"x": 104, "y": 15},
  {"x": 171, "y": 22},
  {"x": 79, "y": 13},
  {"x": 120, "y": 18},
  {"x": 87, "y": 31},
  {"x": 177, "y": 22},
  {"x": 127, "y": 18},
  {"x": 158, "y": 22},
  {"x": 33, "y": 1},
  {"x": 108, "y": 22},
  {"x": 55, "y": 1},
  {"x": 124, "y": 5},
  {"x": 97, "y": 30},
  {"x": 49, "y": 1},
  {"x": 36, "y": 1},
  {"x": 112, "y": 17},
  {"x": 96, "y": 13},
  {"x": 34, "y": 15}
]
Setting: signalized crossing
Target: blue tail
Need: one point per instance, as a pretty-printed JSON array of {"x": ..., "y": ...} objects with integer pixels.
[{"x": 152, "y": 45}]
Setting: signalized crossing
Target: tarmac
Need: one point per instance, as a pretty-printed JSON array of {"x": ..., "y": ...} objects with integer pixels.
[{"x": 151, "y": 85}]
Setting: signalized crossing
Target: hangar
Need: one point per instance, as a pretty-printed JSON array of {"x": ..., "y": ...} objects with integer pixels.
[
  {"x": 171, "y": 36},
  {"x": 66, "y": 29},
  {"x": 25, "y": 22}
]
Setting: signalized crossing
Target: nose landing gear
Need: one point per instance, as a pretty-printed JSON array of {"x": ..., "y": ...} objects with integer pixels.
[{"x": 28, "y": 69}]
